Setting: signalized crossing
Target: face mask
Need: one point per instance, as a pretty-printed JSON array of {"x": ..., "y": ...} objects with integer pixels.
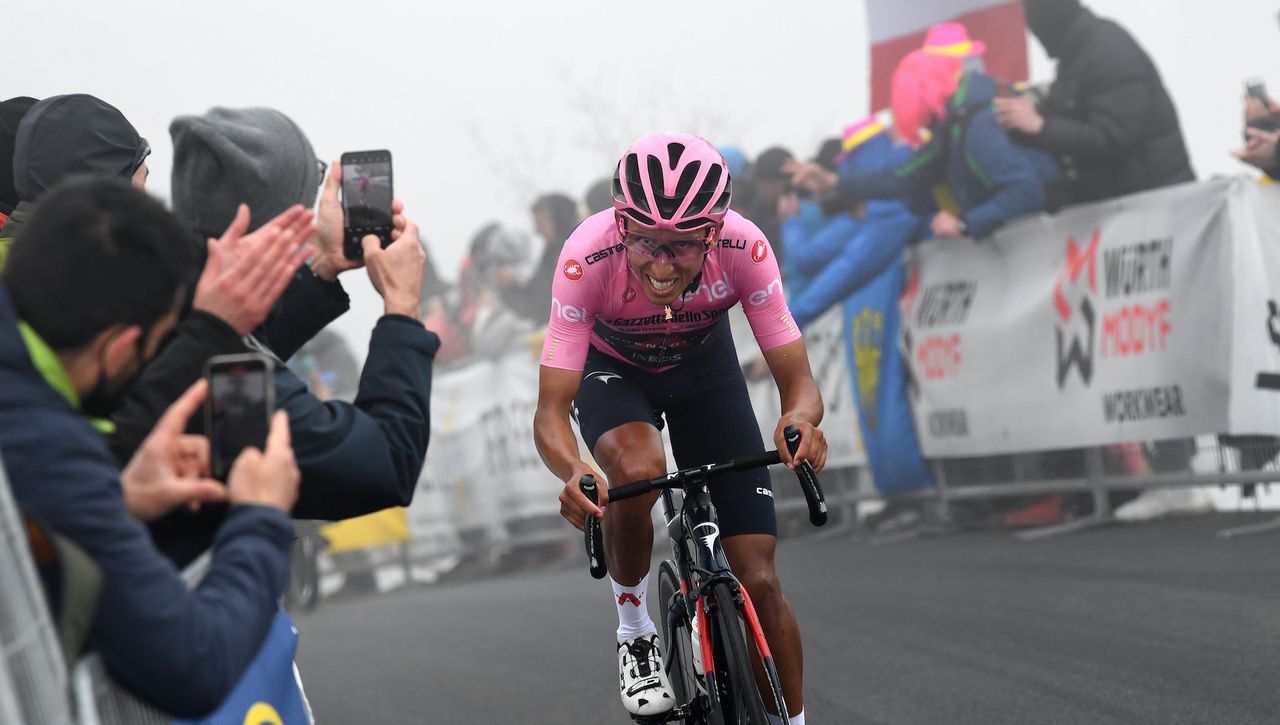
[{"x": 108, "y": 393}]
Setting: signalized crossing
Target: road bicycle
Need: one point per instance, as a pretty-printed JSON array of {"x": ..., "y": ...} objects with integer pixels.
[{"x": 696, "y": 583}]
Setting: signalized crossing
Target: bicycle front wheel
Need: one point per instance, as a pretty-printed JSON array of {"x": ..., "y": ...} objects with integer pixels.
[
  {"x": 740, "y": 697},
  {"x": 676, "y": 639}
]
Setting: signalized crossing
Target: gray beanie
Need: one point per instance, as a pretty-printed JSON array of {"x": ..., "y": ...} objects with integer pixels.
[{"x": 230, "y": 156}]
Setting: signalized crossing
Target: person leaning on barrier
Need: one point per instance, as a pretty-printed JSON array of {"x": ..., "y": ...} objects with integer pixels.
[
  {"x": 1108, "y": 119},
  {"x": 991, "y": 180},
  {"x": 355, "y": 457},
  {"x": 92, "y": 285}
]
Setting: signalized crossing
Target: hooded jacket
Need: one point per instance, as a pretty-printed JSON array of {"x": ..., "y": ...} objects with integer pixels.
[
  {"x": 12, "y": 112},
  {"x": 181, "y": 650},
  {"x": 992, "y": 179},
  {"x": 1109, "y": 120},
  {"x": 73, "y": 134}
]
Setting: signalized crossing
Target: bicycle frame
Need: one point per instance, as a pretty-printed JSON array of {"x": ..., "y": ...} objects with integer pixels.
[
  {"x": 700, "y": 563},
  {"x": 702, "y": 567}
]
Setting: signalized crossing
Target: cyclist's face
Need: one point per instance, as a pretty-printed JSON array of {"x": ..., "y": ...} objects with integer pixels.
[{"x": 667, "y": 262}]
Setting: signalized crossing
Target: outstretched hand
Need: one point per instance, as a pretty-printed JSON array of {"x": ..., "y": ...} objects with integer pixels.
[
  {"x": 171, "y": 469},
  {"x": 246, "y": 273}
]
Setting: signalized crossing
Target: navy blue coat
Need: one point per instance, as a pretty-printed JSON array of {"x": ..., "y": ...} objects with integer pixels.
[{"x": 182, "y": 650}]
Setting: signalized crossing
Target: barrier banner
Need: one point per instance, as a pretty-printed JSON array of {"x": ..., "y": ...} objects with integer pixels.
[
  {"x": 823, "y": 339},
  {"x": 1142, "y": 318},
  {"x": 268, "y": 692},
  {"x": 482, "y": 457}
]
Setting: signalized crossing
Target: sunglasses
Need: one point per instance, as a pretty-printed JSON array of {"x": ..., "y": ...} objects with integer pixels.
[
  {"x": 141, "y": 154},
  {"x": 679, "y": 250}
]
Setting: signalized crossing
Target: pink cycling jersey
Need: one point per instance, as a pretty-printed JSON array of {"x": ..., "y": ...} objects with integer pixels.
[{"x": 596, "y": 299}]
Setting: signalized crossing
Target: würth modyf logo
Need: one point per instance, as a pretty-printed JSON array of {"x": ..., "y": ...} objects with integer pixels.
[{"x": 1076, "y": 353}]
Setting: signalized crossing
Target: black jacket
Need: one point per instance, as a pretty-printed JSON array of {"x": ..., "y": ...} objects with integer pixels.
[
  {"x": 355, "y": 458},
  {"x": 1108, "y": 118}
]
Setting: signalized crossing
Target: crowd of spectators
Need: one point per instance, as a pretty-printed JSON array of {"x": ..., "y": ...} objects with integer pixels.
[{"x": 110, "y": 305}]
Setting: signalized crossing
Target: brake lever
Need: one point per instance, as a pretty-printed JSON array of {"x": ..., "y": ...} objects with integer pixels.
[
  {"x": 808, "y": 480},
  {"x": 592, "y": 535}
]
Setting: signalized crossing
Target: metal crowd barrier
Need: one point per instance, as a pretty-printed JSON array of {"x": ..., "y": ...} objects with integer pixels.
[{"x": 33, "y": 676}]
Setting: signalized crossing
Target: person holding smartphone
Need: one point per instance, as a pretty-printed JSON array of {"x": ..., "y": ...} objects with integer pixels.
[
  {"x": 355, "y": 457},
  {"x": 1108, "y": 118},
  {"x": 81, "y": 313}
]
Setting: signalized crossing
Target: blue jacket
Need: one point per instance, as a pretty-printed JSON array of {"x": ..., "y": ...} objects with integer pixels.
[
  {"x": 848, "y": 253},
  {"x": 182, "y": 650},
  {"x": 993, "y": 179}
]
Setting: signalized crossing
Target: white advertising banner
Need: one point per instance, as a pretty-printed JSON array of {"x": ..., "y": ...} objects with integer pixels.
[
  {"x": 824, "y": 341},
  {"x": 1142, "y": 318}
]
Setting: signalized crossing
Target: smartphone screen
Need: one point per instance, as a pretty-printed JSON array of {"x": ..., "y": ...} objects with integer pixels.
[
  {"x": 366, "y": 192},
  {"x": 238, "y": 407},
  {"x": 1255, "y": 88}
]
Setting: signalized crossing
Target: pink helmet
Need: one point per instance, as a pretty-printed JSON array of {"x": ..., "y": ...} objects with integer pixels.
[{"x": 672, "y": 181}]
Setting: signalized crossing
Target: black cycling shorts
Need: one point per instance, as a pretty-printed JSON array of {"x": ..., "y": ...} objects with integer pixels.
[{"x": 704, "y": 401}]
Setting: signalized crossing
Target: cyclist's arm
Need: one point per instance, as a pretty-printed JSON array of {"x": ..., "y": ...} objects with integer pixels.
[
  {"x": 551, "y": 431},
  {"x": 557, "y": 445},
  {"x": 801, "y": 402}
]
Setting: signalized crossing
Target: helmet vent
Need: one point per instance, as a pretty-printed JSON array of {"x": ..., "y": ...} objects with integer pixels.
[
  {"x": 634, "y": 186},
  {"x": 674, "y": 152}
]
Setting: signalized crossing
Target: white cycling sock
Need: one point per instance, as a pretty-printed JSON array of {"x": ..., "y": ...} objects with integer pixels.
[
  {"x": 633, "y": 609},
  {"x": 797, "y": 720}
]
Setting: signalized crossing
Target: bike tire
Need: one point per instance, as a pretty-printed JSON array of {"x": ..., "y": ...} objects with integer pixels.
[
  {"x": 678, "y": 657},
  {"x": 737, "y": 677}
]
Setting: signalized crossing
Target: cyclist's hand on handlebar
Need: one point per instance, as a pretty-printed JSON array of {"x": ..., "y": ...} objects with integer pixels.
[
  {"x": 574, "y": 504},
  {"x": 813, "y": 444}
]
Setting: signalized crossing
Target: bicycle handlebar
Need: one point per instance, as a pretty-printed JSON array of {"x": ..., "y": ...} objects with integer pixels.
[
  {"x": 591, "y": 530},
  {"x": 808, "y": 479}
]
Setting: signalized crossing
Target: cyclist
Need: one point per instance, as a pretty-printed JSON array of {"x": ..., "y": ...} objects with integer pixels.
[{"x": 638, "y": 333}]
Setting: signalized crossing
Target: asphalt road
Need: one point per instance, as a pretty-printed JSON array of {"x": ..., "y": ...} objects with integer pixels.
[{"x": 1154, "y": 623}]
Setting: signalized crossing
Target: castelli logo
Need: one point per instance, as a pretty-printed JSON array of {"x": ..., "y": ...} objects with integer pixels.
[
  {"x": 629, "y": 296},
  {"x": 572, "y": 270},
  {"x": 759, "y": 251}
]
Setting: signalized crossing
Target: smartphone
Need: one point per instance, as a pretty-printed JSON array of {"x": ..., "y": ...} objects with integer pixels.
[
  {"x": 237, "y": 410},
  {"x": 1256, "y": 90},
  {"x": 366, "y": 199}
]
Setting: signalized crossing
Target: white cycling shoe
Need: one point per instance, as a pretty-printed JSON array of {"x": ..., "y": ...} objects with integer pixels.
[{"x": 642, "y": 682}]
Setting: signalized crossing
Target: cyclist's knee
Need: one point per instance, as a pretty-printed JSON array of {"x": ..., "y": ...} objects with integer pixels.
[
  {"x": 762, "y": 584},
  {"x": 625, "y": 460}
]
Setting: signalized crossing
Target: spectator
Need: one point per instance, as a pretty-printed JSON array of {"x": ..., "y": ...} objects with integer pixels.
[
  {"x": 12, "y": 112},
  {"x": 991, "y": 179},
  {"x": 328, "y": 366},
  {"x": 356, "y": 457},
  {"x": 66, "y": 135},
  {"x": 497, "y": 263},
  {"x": 854, "y": 247},
  {"x": 737, "y": 162},
  {"x": 92, "y": 286},
  {"x": 769, "y": 182},
  {"x": 1107, "y": 119},
  {"x": 599, "y": 196},
  {"x": 555, "y": 216},
  {"x": 952, "y": 40},
  {"x": 1261, "y": 131}
]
